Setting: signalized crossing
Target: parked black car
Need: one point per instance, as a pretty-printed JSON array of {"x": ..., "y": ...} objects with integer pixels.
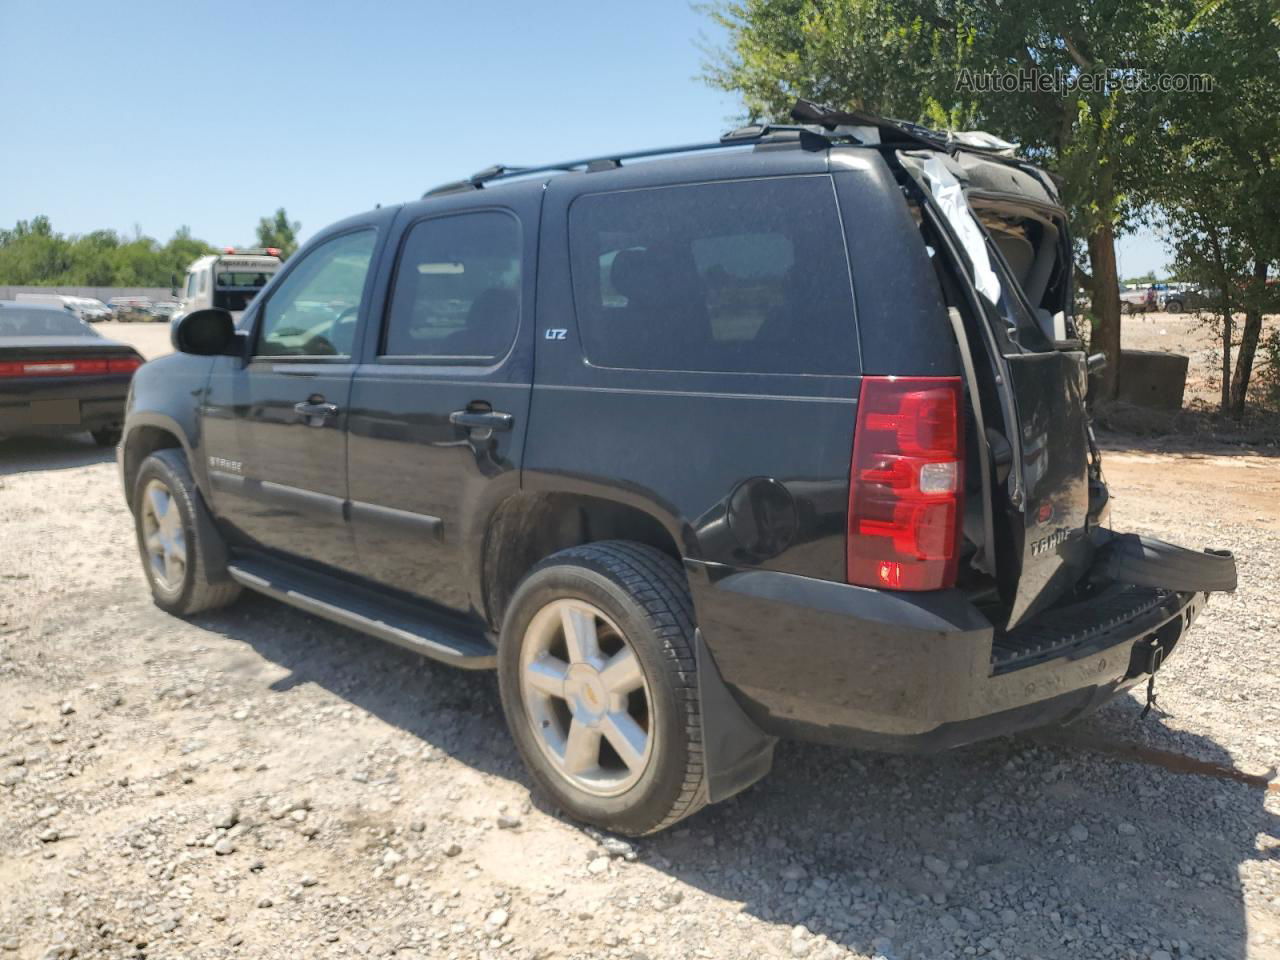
[
  {"x": 767, "y": 438},
  {"x": 60, "y": 375}
]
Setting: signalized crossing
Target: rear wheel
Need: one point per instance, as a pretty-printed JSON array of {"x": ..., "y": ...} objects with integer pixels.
[
  {"x": 106, "y": 436},
  {"x": 599, "y": 685},
  {"x": 1173, "y": 306},
  {"x": 169, "y": 519}
]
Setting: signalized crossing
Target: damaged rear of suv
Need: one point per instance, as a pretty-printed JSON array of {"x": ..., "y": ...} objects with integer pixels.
[
  {"x": 977, "y": 504},
  {"x": 782, "y": 435}
]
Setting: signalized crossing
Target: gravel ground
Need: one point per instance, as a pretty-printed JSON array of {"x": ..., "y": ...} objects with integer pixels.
[{"x": 257, "y": 783}]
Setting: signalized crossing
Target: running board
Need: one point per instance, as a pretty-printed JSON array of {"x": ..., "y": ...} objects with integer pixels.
[{"x": 359, "y": 608}]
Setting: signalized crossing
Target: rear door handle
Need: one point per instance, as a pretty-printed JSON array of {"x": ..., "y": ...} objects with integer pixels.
[
  {"x": 481, "y": 420},
  {"x": 316, "y": 411}
]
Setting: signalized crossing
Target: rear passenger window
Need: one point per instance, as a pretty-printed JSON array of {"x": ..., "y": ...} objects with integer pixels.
[
  {"x": 457, "y": 289},
  {"x": 740, "y": 276}
]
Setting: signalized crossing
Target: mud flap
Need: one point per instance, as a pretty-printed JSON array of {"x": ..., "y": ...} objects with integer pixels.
[
  {"x": 1147, "y": 562},
  {"x": 736, "y": 752}
]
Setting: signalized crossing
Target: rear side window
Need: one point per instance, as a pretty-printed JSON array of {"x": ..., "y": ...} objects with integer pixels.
[
  {"x": 738, "y": 276},
  {"x": 457, "y": 289}
]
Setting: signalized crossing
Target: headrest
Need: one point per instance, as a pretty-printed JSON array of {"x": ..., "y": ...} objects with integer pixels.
[{"x": 634, "y": 272}]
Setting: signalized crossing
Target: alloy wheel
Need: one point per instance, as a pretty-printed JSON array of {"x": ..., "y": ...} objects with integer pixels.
[
  {"x": 587, "y": 697},
  {"x": 163, "y": 536}
]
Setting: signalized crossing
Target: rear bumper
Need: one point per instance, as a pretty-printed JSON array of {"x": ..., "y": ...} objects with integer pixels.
[
  {"x": 828, "y": 662},
  {"x": 86, "y": 404}
]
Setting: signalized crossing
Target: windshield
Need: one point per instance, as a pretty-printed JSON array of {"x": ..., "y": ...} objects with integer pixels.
[
  {"x": 17, "y": 322},
  {"x": 242, "y": 280}
]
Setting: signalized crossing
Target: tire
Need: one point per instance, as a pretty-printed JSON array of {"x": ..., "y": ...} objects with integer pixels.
[
  {"x": 106, "y": 437},
  {"x": 1173, "y": 306},
  {"x": 194, "y": 587},
  {"x": 642, "y": 604}
]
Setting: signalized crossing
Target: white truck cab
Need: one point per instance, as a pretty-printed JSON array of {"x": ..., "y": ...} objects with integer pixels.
[{"x": 228, "y": 280}]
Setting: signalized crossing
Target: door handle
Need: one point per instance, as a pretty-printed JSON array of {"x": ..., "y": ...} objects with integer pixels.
[
  {"x": 481, "y": 419},
  {"x": 316, "y": 411}
]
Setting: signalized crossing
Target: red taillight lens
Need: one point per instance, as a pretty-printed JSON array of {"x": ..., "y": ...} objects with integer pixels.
[
  {"x": 906, "y": 484},
  {"x": 69, "y": 367},
  {"x": 123, "y": 364}
]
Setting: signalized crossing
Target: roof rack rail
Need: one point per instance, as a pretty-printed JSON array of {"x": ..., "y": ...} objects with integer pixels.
[{"x": 810, "y": 138}]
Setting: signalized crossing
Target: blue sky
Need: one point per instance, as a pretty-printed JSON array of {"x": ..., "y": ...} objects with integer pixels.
[{"x": 158, "y": 114}]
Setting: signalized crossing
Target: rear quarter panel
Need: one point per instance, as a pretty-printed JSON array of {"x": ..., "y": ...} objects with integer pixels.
[{"x": 748, "y": 470}]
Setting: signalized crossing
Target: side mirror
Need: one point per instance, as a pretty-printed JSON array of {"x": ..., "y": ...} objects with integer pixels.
[
  {"x": 206, "y": 333},
  {"x": 173, "y": 284}
]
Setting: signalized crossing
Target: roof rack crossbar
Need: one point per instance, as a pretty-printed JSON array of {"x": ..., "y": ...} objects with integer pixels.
[{"x": 735, "y": 138}]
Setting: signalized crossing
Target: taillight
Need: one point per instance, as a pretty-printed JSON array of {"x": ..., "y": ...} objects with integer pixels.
[
  {"x": 906, "y": 484},
  {"x": 123, "y": 364},
  {"x": 70, "y": 367}
]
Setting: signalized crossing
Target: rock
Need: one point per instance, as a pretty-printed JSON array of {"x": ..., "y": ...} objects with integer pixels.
[
  {"x": 496, "y": 920},
  {"x": 224, "y": 847},
  {"x": 241, "y": 714},
  {"x": 451, "y": 849},
  {"x": 598, "y": 866},
  {"x": 936, "y": 866},
  {"x": 1008, "y": 916},
  {"x": 800, "y": 948},
  {"x": 308, "y": 880},
  {"x": 794, "y": 872},
  {"x": 67, "y": 708},
  {"x": 48, "y": 835},
  {"x": 11, "y": 944},
  {"x": 617, "y": 847},
  {"x": 265, "y": 903},
  {"x": 508, "y": 821},
  {"x": 1079, "y": 833},
  {"x": 227, "y": 819},
  {"x": 418, "y": 826},
  {"x": 403, "y": 880},
  {"x": 13, "y": 776},
  {"x": 1127, "y": 829},
  {"x": 47, "y": 813},
  {"x": 391, "y": 858},
  {"x": 1161, "y": 955}
]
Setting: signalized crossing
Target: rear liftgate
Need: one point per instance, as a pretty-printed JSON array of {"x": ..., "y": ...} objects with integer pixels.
[{"x": 1049, "y": 490}]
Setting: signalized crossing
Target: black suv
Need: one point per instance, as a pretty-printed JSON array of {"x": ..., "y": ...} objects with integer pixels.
[{"x": 775, "y": 436}]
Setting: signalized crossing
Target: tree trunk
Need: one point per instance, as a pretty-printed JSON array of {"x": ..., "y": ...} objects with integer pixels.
[
  {"x": 1224, "y": 293},
  {"x": 1105, "y": 338},
  {"x": 1249, "y": 339}
]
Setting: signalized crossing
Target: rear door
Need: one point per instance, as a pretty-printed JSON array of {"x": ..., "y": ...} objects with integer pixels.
[
  {"x": 439, "y": 406},
  {"x": 275, "y": 426}
]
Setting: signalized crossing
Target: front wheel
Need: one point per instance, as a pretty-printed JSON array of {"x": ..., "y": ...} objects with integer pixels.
[
  {"x": 170, "y": 518},
  {"x": 599, "y": 685}
]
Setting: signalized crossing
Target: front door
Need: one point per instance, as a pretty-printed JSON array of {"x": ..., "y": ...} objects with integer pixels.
[
  {"x": 275, "y": 427},
  {"x": 438, "y": 410}
]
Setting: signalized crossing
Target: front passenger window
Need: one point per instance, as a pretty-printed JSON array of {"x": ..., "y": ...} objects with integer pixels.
[{"x": 313, "y": 311}]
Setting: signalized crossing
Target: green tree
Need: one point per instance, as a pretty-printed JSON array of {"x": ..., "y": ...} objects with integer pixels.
[
  {"x": 910, "y": 58},
  {"x": 32, "y": 253},
  {"x": 279, "y": 232},
  {"x": 1216, "y": 174}
]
